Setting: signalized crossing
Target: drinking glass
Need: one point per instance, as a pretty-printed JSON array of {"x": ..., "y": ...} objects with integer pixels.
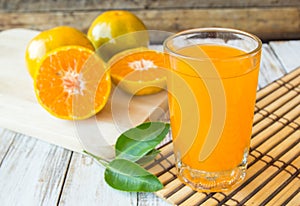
[{"x": 212, "y": 92}]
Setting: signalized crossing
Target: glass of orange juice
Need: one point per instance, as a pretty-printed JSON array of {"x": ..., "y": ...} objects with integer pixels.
[{"x": 211, "y": 92}]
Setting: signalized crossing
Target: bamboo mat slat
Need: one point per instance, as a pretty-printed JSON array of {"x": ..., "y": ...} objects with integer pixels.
[{"x": 273, "y": 175}]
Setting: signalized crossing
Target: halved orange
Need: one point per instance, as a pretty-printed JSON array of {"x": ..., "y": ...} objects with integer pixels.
[
  {"x": 139, "y": 71},
  {"x": 49, "y": 40},
  {"x": 72, "y": 83}
]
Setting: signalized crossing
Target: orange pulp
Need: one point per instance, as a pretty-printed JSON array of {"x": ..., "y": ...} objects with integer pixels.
[{"x": 238, "y": 74}]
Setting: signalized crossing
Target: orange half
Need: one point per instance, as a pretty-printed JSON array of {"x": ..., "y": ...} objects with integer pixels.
[
  {"x": 72, "y": 83},
  {"x": 139, "y": 71}
]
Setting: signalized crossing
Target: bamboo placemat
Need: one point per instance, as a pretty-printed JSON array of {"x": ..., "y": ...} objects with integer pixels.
[{"x": 273, "y": 175}]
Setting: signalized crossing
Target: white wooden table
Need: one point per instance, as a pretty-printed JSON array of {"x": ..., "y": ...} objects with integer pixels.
[{"x": 34, "y": 172}]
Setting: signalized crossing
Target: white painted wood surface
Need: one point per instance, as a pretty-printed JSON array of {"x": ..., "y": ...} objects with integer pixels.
[
  {"x": 270, "y": 68},
  {"x": 33, "y": 172},
  {"x": 288, "y": 53},
  {"x": 84, "y": 184},
  {"x": 6, "y": 140}
]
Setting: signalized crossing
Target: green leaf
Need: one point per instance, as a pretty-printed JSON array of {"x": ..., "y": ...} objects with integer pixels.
[
  {"x": 128, "y": 176},
  {"x": 137, "y": 142},
  {"x": 148, "y": 157}
]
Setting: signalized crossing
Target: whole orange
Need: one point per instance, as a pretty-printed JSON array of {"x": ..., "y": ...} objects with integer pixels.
[{"x": 115, "y": 31}]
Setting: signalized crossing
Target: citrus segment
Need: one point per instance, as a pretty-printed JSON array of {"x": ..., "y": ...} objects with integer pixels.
[
  {"x": 139, "y": 71},
  {"x": 51, "y": 39},
  {"x": 72, "y": 83}
]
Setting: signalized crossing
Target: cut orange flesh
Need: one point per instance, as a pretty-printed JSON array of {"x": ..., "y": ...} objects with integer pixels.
[
  {"x": 139, "y": 71},
  {"x": 72, "y": 83}
]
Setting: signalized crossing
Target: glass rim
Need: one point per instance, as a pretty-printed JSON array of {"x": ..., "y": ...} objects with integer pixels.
[{"x": 213, "y": 29}]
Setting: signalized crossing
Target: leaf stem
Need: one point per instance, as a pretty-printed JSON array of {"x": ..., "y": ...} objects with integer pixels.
[{"x": 99, "y": 159}]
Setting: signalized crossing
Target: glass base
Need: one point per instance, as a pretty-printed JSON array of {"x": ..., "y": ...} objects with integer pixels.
[{"x": 205, "y": 181}]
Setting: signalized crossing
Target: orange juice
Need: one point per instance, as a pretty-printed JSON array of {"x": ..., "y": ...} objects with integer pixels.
[{"x": 191, "y": 108}]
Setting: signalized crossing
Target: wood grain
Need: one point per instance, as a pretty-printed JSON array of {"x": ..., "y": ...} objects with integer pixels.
[
  {"x": 271, "y": 98},
  {"x": 270, "y": 67},
  {"x": 85, "y": 185},
  {"x": 6, "y": 139},
  {"x": 267, "y": 23},
  {"x": 280, "y": 197},
  {"x": 53, "y": 5},
  {"x": 146, "y": 199},
  {"x": 36, "y": 168},
  {"x": 287, "y": 53}
]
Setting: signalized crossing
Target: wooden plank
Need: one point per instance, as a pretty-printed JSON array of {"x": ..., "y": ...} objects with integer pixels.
[
  {"x": 295, "y": 200},
  {"x": 21, "y": 5},
  {"x": 268, "y": 129},
  {"x": 261, "y": 195},
  {"x": 178, "y": 198},
  {"x": 281, "y": 196},
  {"x": 275, "y": 94},
  {"x": 244, "y": 192},
  {"x": 146, "y": 199},
  {"x": 194, "y": 199},
  {"x": 170, "y": 188},
  {"x": 291, "y": 154},
  {"x": 267, "y": 23},
  {"x": 284, "y": 99},
  {"x": 85, "y": 185},
  {"x": 270, "y": 67},
  {"x": 6, "y": 139},
  {"x": 288, "y": 53},
  {"x": 32, "y": 172},
  {"x": 276, "y": 139},
  {"x": 276, "y": 151},
  {"x": 287, "y": 107}
]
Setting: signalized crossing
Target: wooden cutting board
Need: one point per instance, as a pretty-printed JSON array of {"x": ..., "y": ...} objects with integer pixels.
[{"x": 20, "y": 111}]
